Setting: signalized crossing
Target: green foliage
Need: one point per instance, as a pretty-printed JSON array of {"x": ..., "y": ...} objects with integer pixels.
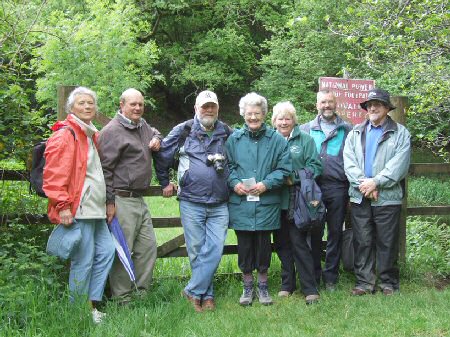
[
  {"x": 97, "y": 48},
  {"x": 427, "y": 191},
  {"x": 26, "y": 270},
  {"x": 18, "y": 117},
  {"x": 428, "y": 246},
  {"x": 213, "y": 45},
  {"x": 301, "y": 51},
  {"x": 212, "y": 61},
  {"x": 15, "y": 197},
  {"x": 404, "y": 46}
]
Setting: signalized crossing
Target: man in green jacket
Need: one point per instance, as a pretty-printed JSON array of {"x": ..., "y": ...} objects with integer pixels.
[{"x": 376, "y": 160}]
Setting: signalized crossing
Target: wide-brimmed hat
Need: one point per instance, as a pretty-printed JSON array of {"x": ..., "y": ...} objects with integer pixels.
[
  {"x": 378, "y": 95},
  {"x": 63, "y": 240},
  {"x": 206, "y": 97}
]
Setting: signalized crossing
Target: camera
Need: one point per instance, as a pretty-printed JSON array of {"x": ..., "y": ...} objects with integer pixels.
[{"x": 217, "y": 160}]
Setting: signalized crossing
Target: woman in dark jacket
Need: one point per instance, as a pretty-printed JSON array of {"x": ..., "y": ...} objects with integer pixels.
[
  {"x": 259, "y": 162},
  {"x": 290, "y": 242}
]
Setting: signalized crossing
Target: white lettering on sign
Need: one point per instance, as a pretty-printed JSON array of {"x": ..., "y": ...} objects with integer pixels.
[{"x": 349, "y": 94}]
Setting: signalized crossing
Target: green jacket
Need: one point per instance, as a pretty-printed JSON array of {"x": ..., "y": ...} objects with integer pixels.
[
  {"x": 390, "y": 165},
  {"x": 304, "y": 155},
  {"x": 265, "y": 156}
]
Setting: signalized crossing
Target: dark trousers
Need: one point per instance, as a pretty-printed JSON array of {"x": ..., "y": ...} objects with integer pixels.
[
  {"x": 294, "y": 253},
  {"x": 283, "y": 247},
  {"x": 254, "y": 251},
  {"x": 336, "y": 205},
  {"x": 375, "y": 240}
]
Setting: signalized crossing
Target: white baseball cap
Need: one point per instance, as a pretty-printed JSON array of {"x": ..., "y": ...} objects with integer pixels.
[{"x": 206, "y": 97}]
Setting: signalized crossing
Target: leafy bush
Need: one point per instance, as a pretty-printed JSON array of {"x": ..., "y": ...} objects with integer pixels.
[
  {"x": 96, "y": 47},
  {"x": 26, "y": 270},
  {"x": 428, "y": 246},
  {"x": 427, "y": 191},
  {"x": 15, "y": 198}
]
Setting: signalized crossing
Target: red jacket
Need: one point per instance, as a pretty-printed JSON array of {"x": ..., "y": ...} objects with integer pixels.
[{"x": 65, "y": 168}]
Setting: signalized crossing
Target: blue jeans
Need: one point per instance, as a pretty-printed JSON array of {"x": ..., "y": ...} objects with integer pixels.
[
  {"x": 91, "y": 260},
  {"x": 205, "y": 230}
]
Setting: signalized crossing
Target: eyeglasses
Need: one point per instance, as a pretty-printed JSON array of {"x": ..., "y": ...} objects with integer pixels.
[
  {"x": 374, "y": 104},
  {"x": 250, "y": 114}
]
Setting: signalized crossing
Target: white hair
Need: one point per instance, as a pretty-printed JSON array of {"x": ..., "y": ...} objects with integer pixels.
[
  {"x": 252, "y": 99},
  {"x": 283, "y": 109},
  {"x": 77, "y": 92}
]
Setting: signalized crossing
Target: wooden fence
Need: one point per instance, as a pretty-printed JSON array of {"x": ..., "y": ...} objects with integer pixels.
[{"x": 174, "y": 247}]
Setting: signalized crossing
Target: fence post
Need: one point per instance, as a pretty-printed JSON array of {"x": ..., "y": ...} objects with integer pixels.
[
  {"x": 399, "y": 115},
  {"x": 63, "y": 92}
]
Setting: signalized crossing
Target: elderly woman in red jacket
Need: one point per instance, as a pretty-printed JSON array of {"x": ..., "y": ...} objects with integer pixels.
[{"x": 75, "y": 187}]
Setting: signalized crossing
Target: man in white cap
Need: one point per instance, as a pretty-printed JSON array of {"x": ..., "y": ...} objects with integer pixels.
[
  {"x": 202, "y": 191},
  {"x": 376, "y": 160}
]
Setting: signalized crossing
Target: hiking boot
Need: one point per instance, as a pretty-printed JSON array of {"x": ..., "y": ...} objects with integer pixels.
[
  {"x": 97, "y": 316},
  {"x": 209, "y": 304},
  {"x": 247, "y": 295},
  {"x": 263, "y": 294},
  {"x": 360, "y": 292},
  {"x": 196, "y": 303}
]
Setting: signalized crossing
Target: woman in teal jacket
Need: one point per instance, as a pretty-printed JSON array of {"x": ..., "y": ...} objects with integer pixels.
[
  {"x": 290, "y": 243},
  {"x": 259, "y": 161}
]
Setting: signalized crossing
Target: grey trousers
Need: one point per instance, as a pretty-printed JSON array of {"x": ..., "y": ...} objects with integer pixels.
[
  {"x": 136, "y": 222},
  {"x": 375, "y": 240}
]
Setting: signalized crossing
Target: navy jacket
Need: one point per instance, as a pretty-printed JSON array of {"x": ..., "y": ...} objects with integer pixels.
[
  {"x": 330, "y": 150},
  {"x": 197, "y": 181}
]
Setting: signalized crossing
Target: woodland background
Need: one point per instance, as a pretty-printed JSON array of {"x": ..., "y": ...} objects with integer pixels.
[{"x": 171, "y": 50}]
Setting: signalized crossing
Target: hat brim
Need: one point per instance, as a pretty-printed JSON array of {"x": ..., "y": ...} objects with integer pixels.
[
  {"x": 389, "y": 104},
  {"x": 202, "y": 103}
]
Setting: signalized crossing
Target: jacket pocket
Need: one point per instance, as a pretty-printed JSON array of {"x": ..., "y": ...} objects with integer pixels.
[
  {"x": 270, "y": 198},
  {"x": 235, "y": 199},
  {"x": 392, "y": 194},
  {"x": 184, "y": 178}
]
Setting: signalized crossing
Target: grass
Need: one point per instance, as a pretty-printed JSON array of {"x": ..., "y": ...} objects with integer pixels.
[
  {"x": 33, "y": 301},
  {"x": 416, "y": 311}
]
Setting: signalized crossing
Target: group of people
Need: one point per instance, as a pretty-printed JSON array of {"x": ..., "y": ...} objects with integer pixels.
[{"x": 241, "y": 179}]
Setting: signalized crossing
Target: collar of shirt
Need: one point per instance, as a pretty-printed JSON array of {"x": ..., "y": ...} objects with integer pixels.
[
  {"x": 370, "y": 126},
  {"x": 89, "y": 129},
  {"x": 290, "y": 135},
  {"x": 129, "y": 120},
  {"x": 323, "y": 120}
]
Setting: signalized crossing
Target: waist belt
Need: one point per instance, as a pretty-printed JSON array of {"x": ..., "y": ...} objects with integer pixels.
[{"x": 128, "y": 194}]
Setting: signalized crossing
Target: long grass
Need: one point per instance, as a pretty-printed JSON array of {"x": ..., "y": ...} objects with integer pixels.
[
  {"x": 416, "y": 311},
  {"x": 33, "y": 288}
]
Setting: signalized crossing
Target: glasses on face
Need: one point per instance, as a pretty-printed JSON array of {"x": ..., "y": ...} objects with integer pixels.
[
  {"x": 374, "y": 104},
  {"x": 256, "y": 114},
  {"x": 88, "y": 103}
]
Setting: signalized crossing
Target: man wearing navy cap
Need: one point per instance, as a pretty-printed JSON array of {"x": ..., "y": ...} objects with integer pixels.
[{"x": 376, "y": 160}]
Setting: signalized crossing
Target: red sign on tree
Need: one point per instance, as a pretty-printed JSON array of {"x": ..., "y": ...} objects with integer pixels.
[{"x": 349, "y": 93}]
